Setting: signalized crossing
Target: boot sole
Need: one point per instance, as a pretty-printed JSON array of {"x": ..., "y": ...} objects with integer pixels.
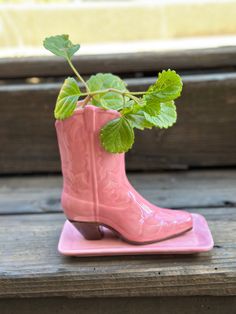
[{"x": 92, "y": 231}]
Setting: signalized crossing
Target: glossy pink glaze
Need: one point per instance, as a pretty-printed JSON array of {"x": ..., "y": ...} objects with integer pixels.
[
  {"x": 96, "y": 188},
  {"x": 197, "y": 240}
]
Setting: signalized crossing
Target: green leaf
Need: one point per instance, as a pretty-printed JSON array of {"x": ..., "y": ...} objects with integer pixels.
[
  {"x": 138, "y": 120},
  {"x": 129, "y": 103},
  {"x": 67, "y": 99},
  {"x": 152, "y": 107},
  {"x": 61, "y": 46},
  {"x": 165, "y": 118},
  {"x": 167, "y": 87},
  {"x": 133, "y": 108},
  {"x": 117, "y": 136},
  {"x": 110, "y": 100}
]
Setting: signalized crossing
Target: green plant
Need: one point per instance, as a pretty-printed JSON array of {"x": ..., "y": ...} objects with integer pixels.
[{"x": 152, "y": 108}]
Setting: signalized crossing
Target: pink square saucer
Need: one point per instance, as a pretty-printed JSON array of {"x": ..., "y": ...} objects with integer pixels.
[{"x": 199, "y": 239}]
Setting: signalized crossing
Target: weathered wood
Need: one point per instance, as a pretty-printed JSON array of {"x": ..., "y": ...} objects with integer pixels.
[
  {"x": 152, "y": 61},
  {"x": 161, "y": 305},
  {"x": 31, "y": 267},
  {"x": 182, "y": 189},
  {"x": 203, "y": 136}
]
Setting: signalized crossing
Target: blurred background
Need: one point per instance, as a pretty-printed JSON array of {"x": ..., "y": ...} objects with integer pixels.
[
  {"x": 133, "y": 39},
  {"x": 103, "y": 26}
]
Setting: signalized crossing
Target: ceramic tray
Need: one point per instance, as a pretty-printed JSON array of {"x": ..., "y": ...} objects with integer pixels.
[{"x": 197, "y": 240}]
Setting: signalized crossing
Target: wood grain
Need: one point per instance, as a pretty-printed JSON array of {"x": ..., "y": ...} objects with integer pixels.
[
  {"x": 141, "y": 305},
  {"x": 150, "y": 61},
  {"x": 31, "y": 267},
  {"x": 204, "y": 135},
  {"x": 181, "y": 189}
]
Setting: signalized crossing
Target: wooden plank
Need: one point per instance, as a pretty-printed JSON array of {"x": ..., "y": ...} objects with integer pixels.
[
  {"x": 31, "y": 267},
  {"x": 182, "y": 189},
  {"x": 141, "y": 305},
  {"x": 150, "y": 61},
  {"x": 204, "y": 135}
]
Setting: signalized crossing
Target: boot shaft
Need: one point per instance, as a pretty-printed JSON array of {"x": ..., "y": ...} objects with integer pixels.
[{"x": 88, "y": 170}]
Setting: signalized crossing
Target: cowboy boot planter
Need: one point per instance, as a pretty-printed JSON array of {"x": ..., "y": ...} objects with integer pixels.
[
  {"x": 93, "y": 136},
  {"x": 96, "y": 191}
]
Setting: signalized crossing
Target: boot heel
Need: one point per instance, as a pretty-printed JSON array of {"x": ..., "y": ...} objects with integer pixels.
[{"x": 89, "y": 230}]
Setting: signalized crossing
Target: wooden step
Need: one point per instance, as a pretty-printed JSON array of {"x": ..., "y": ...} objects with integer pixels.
[
  {"x": 32, "y": 268},
  {"x": 204, "y": 135}
]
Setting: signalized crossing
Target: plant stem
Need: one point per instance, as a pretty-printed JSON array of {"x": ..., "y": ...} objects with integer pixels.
[
  {"x": 78, "y": 75},
  {"x": 136, "y": 99},
  {"x": 86, "y": 100},
  {"x": 114, "y": 91},
  {"x": 137, "y": 93}
]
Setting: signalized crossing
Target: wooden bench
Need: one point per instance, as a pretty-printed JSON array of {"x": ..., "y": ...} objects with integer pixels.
[{"x": 35, "y": 278}]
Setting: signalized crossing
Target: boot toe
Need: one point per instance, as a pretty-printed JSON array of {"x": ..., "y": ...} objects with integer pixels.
[
  {"x": 169, "y": 223},
  {"x": 184, "y": 221}
]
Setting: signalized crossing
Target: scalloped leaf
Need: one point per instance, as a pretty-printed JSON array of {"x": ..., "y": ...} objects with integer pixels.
[
  {"x": 110, "y": 100},
  {"x": 167, "y": 87},
  {"x": 67, "y": 99},
  {"x": 138, "y": 120},
  {"x": 117, "y": 136},
  {"x": 60, "y": 45},
  {"x": 166, "y": 116}
]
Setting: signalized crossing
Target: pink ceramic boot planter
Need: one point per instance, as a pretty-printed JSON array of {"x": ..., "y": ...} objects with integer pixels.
[
  {"x": 96, "y": 191},
  {"x": 93, "y": 136}
]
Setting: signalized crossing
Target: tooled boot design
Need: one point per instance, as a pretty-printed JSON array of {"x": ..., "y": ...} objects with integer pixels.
[{"x": 96, "y": 191}]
